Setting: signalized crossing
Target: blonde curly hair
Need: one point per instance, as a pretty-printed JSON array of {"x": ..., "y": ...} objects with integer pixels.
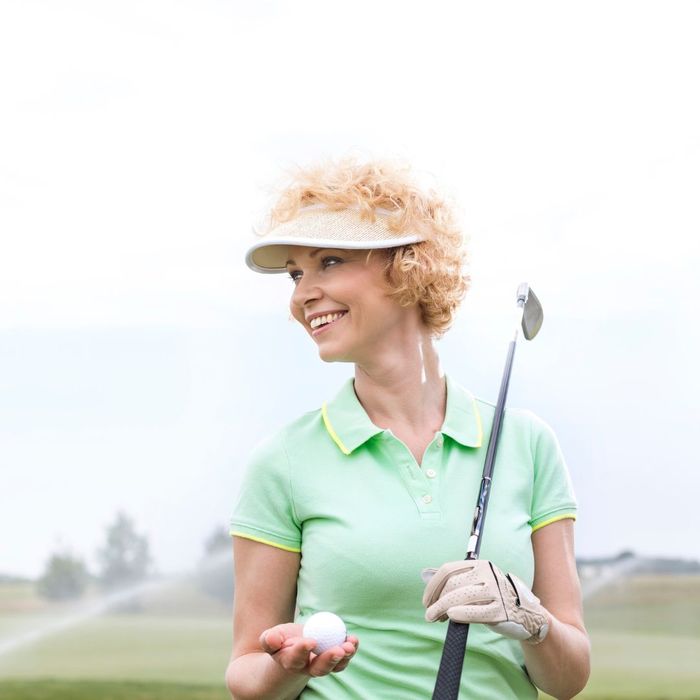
[{"x": 430, "y": 273}]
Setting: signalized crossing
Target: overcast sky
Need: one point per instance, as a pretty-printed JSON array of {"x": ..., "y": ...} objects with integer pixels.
[{"x": 141, "y": 359}]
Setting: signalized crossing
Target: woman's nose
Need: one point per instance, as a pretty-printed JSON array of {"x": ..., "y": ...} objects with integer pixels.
[{"x": 305, "y": 290}]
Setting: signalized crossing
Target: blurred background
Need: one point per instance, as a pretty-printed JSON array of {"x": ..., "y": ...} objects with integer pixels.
[{"x": 141, "y": 361}]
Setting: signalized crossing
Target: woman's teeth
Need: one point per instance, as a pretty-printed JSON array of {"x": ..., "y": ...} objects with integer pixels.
[{"x": 328, "y": 318}]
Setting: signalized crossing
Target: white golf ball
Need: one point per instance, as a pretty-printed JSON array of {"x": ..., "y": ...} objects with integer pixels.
[{"x": 327, "y": 629}]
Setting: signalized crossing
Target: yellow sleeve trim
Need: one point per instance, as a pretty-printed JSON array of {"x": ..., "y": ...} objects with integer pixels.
[
  {"x": 246, "y": 536},
  {"x": 554, "y": 520},
  {"x": 331, "y": 432}
]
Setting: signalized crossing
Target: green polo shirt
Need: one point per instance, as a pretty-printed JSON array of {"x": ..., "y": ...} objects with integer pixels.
[{"x": 367, "y": 519}]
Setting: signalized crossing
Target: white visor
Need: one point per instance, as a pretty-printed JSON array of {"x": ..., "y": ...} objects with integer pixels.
[{"x": 320, "y": 227}]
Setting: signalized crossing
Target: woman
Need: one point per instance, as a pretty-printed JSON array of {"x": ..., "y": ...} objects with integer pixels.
[{"x": 345, "y": 507}]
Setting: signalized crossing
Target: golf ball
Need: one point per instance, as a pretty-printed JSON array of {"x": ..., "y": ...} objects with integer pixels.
[{"x": 327, "y": 629}]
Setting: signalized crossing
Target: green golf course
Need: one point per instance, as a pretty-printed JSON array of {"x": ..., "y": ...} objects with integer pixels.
[{"x": 644, "y": 648}]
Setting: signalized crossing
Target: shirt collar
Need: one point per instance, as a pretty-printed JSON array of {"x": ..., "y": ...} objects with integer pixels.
[
  {"x": 349, "y": 425},
  {"x": 462, "y": 417}
]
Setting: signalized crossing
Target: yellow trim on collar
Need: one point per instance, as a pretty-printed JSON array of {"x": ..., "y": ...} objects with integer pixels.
[
  {"x": 554, "y": 520},
  {"x": 246, "y": 536},
  {"x": 480, "y": 439},
  {"x": 331, "y": 432}
]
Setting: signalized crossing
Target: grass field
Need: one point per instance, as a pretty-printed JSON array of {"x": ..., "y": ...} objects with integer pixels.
[
  {"x": 643, "y": 647},
  {"x": 181, "y": 636},
  {"x": 106, "y": 690},
  {"x": 178, "y": 646}
]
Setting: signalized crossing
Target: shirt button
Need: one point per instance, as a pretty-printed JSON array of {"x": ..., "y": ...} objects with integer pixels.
[
  {"x": 431, "y": 473},
  {"x": 427, "y": 498},
  {"x": 438, "y": 442}
]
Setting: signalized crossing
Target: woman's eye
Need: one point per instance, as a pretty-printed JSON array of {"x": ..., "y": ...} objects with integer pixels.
[{"x": 328, "y": 261}]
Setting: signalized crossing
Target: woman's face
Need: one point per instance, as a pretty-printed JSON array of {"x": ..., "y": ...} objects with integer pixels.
[{"x": 342, "y": 301}]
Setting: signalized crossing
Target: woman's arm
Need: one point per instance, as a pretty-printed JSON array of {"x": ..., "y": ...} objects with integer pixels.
[
  {"x": 559, "y": 665},
  {"x": 270, "y": 658},
  {"x": 265, "y": 579}
]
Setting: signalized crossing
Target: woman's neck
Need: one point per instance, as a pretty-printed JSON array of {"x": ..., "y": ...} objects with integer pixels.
[{"x": 407, "y": 389}]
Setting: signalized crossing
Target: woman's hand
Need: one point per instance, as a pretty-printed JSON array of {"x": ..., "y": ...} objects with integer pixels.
[
  {"x": 294, "y": 653},
  {"x": 476, "y": 590}
]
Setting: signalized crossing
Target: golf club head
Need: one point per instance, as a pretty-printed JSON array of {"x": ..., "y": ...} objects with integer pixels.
[{"x": 532, "y": 311}]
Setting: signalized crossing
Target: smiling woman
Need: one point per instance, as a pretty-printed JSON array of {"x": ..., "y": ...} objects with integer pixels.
[
  {"x": 345, "y": 507},
  {"x": 374, "y": 206},
  {"x": 345, "y": 303}
]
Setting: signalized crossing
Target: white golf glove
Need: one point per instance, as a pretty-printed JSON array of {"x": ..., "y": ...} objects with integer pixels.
[{"x": 478, "y": 591}]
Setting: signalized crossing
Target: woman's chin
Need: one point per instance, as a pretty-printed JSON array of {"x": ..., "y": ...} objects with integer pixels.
[{"x": 329, "y": 354}]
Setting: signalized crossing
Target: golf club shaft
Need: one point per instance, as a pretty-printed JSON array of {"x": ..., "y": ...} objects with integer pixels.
[
  {"x": 452, "y": 660},
  {"x": 485, "y": 490}
]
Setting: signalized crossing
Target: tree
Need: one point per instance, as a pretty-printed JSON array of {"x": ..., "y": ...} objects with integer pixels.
[
  {"x": 217, "y": 542},
  {"x": 64, "y": 578},
  {"x": 125, "y": 557},
  {"x": 215, "y": 573}
]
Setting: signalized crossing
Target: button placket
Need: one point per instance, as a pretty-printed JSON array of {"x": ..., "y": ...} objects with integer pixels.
[
  {"x": 428, "y": 501},
  {"x": 418, "y": 479}
]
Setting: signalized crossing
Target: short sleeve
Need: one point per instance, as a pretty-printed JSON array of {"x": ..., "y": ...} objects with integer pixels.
[
  {"x": 553, "y": 495},
  {"x": 264, "y": 510}
]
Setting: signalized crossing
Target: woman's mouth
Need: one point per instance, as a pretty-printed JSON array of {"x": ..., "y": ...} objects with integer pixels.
[{"x": 323, "y": 323}]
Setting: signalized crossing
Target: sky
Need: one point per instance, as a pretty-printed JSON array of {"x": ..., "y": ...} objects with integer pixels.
[{"x": 140, "y": 360}]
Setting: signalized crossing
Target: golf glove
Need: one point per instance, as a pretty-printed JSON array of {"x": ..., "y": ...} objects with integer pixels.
[{"x": 476, "y": 590}]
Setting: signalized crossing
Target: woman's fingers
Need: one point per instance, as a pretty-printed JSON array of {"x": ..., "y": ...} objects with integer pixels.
[
  {"x": 271, "y": 640},
  {"x": 274, "y": 638},
  {"x": 349, "y": 647},
  {"x": 328, "y": 661},
  {"x": 286, "y": 646},
  {"x": 295, "y": 653},
  {"x": 466, "y": 613},
  {"x": 297, "y": 656},
  {"x": 333, "y": 660}
]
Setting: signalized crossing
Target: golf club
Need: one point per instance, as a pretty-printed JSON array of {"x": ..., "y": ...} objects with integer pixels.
[{"x": 450, "y": 672}]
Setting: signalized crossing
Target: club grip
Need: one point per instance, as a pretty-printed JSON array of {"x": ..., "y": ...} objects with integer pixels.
[{"x": 450, "y": 671}]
